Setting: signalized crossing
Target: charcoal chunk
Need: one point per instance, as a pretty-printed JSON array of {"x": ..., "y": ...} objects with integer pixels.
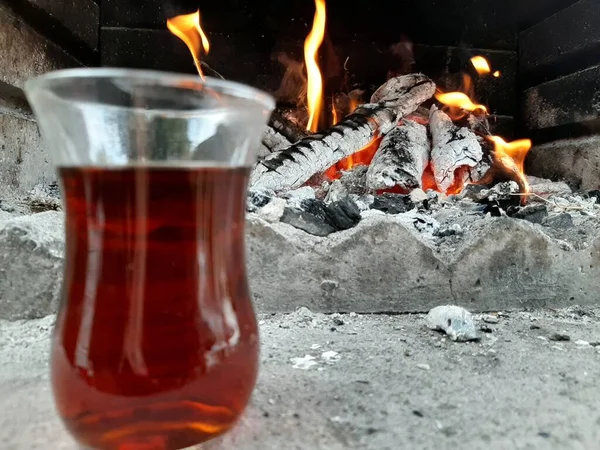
[
  {"x": 595, "y": 193},
  {"x": 344, "y": 214},
  {"x": 319, "y": 219},
  {"x": 393, "y": 203},
  {"x": 531, "y": 213},
  {"x": 563, "y": 221},
  {"x": 313, "y": 219}
]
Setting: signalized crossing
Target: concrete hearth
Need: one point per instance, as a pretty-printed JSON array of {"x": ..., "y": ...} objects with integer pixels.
[
  {"x": 384, "y": 264},
  {"x": 376, "y": 383}
]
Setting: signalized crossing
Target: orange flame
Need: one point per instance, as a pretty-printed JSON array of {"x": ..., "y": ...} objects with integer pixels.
[
  {"x": 315, "y": 81},
  {"x": 497, "y": 74},
  {"x": 510, "y": 156},
  {"x": 187, "y": 28},
  {"x": 481, "y": 65},
  {"x": 362, "y": 157},
  {"x": 460, "y": 100}
]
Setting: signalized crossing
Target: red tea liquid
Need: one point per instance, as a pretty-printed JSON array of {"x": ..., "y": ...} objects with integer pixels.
[{"x": 156, "y": 344}]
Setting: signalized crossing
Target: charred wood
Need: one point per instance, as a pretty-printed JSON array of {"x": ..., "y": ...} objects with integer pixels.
[
  {"x": 401, "y": 158},
  {"x": 293, "y": 166},
  {"x": 288, "y": 129},
  {"x": 272, "y": 141},
  {"x": 455, "y": 150}
]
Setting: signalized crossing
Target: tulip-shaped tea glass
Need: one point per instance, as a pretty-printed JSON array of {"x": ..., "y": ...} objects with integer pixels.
[{"x": 155, "y": 344}]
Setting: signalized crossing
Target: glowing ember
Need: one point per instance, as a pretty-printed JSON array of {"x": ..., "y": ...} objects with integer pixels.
[
  {"x": 187, "y": 28},
  {"x": 363, "y": 157},
  {"x": 460, "y": 100},
  {"x": 497, "y": 74},
  {"x": 315, "y": 81},
  {"x": 481, "y": 65},
  {"x": 509, "y": 158}
]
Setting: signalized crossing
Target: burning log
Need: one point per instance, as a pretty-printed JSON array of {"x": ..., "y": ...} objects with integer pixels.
[
  {"x": 292, "y": 167},
  {"x": 401, "y": 158},
  {"x": 455, "y": 151},
  {"x": 272, "y": 141},
  {"x": 287, "y": 128}
]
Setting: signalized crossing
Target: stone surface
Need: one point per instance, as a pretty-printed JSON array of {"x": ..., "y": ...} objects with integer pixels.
[
  {"x": 366, "y": 389},
  {"x": 386, "y": 263},
  {"x": 455, "y": 321},
  {"x": 24, "y": 159},
  {"x": 31, "y": 256},
  {"x": 568, "y": 100},
  {"x": 24, "y": 53},
  {"x": 576, "y": 161},
  {"x": 541, "y": 46}
]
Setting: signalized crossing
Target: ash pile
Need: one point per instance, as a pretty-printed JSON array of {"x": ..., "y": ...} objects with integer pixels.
[{"x": 429, "y": 158}]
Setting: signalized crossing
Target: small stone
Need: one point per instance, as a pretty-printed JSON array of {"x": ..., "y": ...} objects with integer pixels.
[
  {"x": 560, "y": 337},
  {"x": 418, "y": 195},
  {"x": 490, "y": 319},
  {"x": 542, "y": 338},
  {"x": 417, "y": 413},
  {"x": 337, "y": 321},
  {"x": 582, "y": 343},
  {"x": 408, "y": 352},
  {"x": 544, "y": 434},
  {"x": 455, "y": 321},
  {"x": 424, "y": 366},
  {"x": 485, "y": 329},
  {"x": 534, "y": 327}
]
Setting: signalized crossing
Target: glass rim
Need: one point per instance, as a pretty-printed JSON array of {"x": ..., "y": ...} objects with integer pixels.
[{"x": 161, "y": 78}]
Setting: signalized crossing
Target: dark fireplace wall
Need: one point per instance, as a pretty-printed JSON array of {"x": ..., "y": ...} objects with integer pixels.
[
  {"x": 547, "y": 51},
  {"x": 246, "y": 36},
  {"x": 36, "y": 36}
]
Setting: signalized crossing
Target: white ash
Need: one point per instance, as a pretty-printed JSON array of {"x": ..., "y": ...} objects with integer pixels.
[
  {"x": 336, "y": 192},
  {"x": 272, "y": 211},
  {"x": 363, "y": 202},
  {"x": 453, "y": 148},
  {"x": 455, "y": 321},
  {"x": 296, "y": 196}
]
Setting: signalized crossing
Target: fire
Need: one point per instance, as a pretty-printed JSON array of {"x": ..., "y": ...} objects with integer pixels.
[
  {"x": 510, "y": 159},
  {"x": 315, "y": 80},
  {"x": 481, "y": 65},
  {"x": 363, "y": 157},
  {"x": 497, "y": 74},
  {"x": 187, "y": 28},
  {"x": 460, "y": 100}
]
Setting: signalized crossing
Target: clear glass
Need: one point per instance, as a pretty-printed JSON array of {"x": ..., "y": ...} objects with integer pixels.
[{"x": 156, "y": 342}]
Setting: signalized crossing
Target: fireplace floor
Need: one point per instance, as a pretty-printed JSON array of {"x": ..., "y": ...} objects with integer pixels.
[{"x": 378, "y": 382}]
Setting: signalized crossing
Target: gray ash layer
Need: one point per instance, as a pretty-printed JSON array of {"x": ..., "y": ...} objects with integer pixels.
[{"x": 341, "y": 204}]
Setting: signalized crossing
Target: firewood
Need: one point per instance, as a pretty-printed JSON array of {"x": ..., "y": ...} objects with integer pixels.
[
  {"x": 272, "y": 141},
  {"x": 400, "y": 159},
  {"x": 455, "y": 150},
  {"x": 292, "y": 132},
  {"x": 292, "y": 167}
]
